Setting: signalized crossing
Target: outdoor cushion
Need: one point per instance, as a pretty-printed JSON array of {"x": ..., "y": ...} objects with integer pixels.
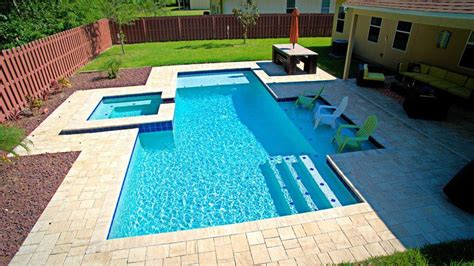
[
  {"x": 408, "y": 74},
  {"x": 438, "y": 72},
  {"x": 375, "y": 76},
  {"x": 442, "y": 84},
  {"x": 424, "y": 68},
  {"x": 366, "y": 71},
  {"x": 456, "y": 78},
  {"x": 461, "y": 92},
  {"x": 470, "y": 84},
  {"x": 423, "y": 77},
  {"x": 402, "y": 68}
]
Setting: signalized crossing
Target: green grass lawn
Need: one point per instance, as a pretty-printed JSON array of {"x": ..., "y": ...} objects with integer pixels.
[
  {"x": 459, "y": 252},
  {"x": 210, "y": 51},
  {"x": 174, "y": 11}
]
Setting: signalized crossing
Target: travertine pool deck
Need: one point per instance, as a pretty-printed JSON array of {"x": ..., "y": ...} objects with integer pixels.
[{"x": 401, "y": 184}]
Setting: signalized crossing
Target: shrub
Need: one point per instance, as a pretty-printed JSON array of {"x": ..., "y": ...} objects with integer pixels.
[
  {"x": 55, "y": 87},
  {"x": 113, "y": 67},
  {"x": 65, "y": 83},
  {"x": 10, "y": 137},
  {"x": 25, "y": 21},
  {"x": 36, "y": 103}
]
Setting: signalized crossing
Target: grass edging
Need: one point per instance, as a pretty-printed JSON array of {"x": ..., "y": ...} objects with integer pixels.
[{"x": 458, "y": 252}]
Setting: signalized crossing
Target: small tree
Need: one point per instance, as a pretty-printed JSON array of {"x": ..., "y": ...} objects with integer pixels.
[
  {"x": 11, "y": 137},
  {"x": 247, "y": 15},
  {"x": 156, "y": 7},
  {"x": 122, "y": 12}
]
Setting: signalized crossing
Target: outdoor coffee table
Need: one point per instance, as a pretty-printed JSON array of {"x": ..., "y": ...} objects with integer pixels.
[{"x": 288, "y": 56}]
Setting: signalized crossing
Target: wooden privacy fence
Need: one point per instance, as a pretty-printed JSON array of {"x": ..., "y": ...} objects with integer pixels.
[
  {"x": 158, "y": 29},
  {"x": 27, "y": 70}
]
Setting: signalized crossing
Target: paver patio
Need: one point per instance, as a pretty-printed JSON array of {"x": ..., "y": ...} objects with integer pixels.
[{"x": 401, "y": 184}]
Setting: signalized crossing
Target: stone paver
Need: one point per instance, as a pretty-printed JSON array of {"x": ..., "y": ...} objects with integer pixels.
[{"x": 401, "y": 185}]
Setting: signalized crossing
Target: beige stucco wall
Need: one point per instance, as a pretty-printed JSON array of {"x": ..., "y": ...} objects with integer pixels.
[
  {"x": 345, "y": 34},
  {"x": 421, "y": 44},
  {"x": 200, "y": 4},
  {"x": 264, "y": 6},
  {"x": 279, "y": 6},
  {"x": 308, "y": 6},
  {"x": 313, "y": 6}
]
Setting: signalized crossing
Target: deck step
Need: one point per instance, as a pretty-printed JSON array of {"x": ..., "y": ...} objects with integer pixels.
[{"x": 328, "y": 193}]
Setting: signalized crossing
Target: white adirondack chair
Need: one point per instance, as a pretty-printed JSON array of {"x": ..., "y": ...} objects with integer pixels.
[{"x": 329, "y": 118}]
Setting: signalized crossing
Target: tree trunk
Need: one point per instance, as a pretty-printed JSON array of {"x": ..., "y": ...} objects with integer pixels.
[
  {"x": 122, "y": 39},
  {"x": 245, "y": 35}
]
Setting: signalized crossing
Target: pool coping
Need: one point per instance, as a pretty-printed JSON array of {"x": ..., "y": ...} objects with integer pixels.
[
  {"x": 227, "y": 229},
  {"x": 80, "y": 124},
  {"x": 123, "y": 96}
]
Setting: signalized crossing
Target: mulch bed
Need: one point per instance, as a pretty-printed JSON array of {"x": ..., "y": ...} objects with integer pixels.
[
  {"x": 26, "y": 187},
  {"x": 27, "y": 184},
  {"x": 95, "y": 80},
  {"x": 83, "y": 81}
]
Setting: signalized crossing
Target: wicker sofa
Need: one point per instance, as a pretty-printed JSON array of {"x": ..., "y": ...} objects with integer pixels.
[{"x": 456, "y": 84}]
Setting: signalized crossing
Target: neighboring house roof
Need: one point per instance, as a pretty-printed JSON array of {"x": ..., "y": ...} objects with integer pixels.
[{"x": 444, "y": 6}]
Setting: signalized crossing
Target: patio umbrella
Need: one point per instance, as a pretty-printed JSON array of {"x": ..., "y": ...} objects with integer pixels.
[{"x": 294, "y": 26}]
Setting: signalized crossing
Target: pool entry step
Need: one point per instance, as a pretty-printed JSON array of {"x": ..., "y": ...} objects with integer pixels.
[{"x": 296, "y": 185}]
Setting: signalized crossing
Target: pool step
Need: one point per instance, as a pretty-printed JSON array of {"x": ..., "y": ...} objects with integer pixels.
[
  {"x": 289, "y": 161},
  {"x": 323, "y": 186},
  {"x": 282, "y": 199},
  {"x": 290, "y": 183}
]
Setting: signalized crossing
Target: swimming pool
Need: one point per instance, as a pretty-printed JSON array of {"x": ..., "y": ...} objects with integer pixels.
[
  {"x": 127, "y": 106},
  {"x": 233, "y": 156}
]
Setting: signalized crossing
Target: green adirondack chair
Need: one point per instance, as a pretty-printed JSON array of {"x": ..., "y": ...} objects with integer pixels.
[
  {"x": 362, "y": 134},
  {"x": 309, "y": 102}
]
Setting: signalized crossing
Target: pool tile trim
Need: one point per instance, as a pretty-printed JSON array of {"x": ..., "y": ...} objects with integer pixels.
[{"x": 146, "y": 127}]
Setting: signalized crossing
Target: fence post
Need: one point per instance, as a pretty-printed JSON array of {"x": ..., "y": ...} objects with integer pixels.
[
  {"x": 213, "y": 27},
  {"x": 5, "y": 105},
  {"x": 144, "y": 30},
  {"x": 179, "y": 29}
]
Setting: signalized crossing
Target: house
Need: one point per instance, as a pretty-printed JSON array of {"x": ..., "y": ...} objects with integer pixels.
[
  {"x": 194, "y": 4},
  {"x": 438, "y": 33},
  {"x": 276, "y": 6}
]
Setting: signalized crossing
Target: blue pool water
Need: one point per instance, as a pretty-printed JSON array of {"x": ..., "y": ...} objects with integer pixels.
[
  {"x": 127, "y": 106},
  {"x": 233, "y": 156}
]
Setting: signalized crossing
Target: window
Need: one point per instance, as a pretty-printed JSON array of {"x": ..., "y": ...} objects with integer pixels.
[
  {"x": 402, "y": 34},
  {"x": 374, "y": 29},
  {"x": 290, "y": 5},
  {"x": 325, "y": 6},
  {"x": 467, "y": 58},
  {"x": 340, "y": 20}
]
